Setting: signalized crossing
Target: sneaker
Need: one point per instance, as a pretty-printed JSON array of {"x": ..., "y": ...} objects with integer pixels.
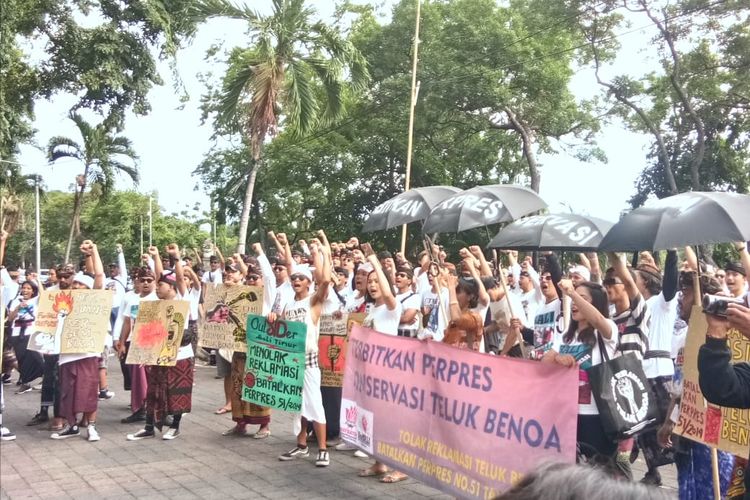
[
  {"x": 7, "y": 379},
  {"x": 141, "y": 434},
  {"x": 171, "y": 434},
  {"x": 360, "y": 454},
  {"x": 93, "y": 435},
  {"x": 323, "y": 460},
  {"x": 139, "y": 416},
  {"x": 39, "y": 418},
  {"x": 67, "y": 432},
  {"x": 23, "y": 389},
  {"x": 37, "y": 387},
  {"x": 344, "y": 446},
  {"x": 6, "y": 435},
  {"x": 297, "y": 452},
  {"x": 106, "y": 394}
]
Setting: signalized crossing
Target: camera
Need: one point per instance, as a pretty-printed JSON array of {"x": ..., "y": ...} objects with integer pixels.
[{"x": 716, "y": 305}]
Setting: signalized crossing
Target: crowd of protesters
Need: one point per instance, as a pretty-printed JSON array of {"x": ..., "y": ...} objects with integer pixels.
[{"x": 505, "y": 306}]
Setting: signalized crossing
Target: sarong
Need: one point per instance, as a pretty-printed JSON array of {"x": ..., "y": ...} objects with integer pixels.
[
  {"x": 79, "y": 387},
  {"x": 170, "y": 390},
  {"x": 242, "y": 411}
]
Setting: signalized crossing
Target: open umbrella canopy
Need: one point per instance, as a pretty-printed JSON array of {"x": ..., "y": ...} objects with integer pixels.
[
  {"x": 693, "y": 218},
  {"x": 407, "y": 207},
  {"x": 572, "y": 232},
  {"x": 482, "y": 206}
]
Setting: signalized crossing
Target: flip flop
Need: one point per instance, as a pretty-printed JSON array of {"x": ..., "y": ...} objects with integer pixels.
[
  {"x": 393, "y": 477},
  {"x": 262, "y": 434},
  {"x": 370, "y": 472},
  {"x": 222, "y": 411}
]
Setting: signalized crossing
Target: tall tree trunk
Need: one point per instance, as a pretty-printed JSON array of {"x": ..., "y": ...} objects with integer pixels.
[
  {"x": 245, "y": 215},
  {"x": 73, "y": 225},
  {"x": 527, "y": 142}
]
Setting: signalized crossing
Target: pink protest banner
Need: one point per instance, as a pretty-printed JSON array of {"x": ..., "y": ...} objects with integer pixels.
[{"x": 468, "y": 424}]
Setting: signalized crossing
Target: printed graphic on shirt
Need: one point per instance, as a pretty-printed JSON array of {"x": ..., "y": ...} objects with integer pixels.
[
  {"x": 546, "y": 325},
  {"x": 582, "y": 355}
]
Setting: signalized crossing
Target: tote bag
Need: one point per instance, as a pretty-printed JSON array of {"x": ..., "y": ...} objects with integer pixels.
[{"x": 623, "y": 394}]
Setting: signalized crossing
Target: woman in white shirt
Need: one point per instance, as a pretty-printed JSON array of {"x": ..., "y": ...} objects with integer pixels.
[
  {"x": 579, "y": 347},
  {"x": 21, "y": 316},
  {"x": 384, "y": 317}
]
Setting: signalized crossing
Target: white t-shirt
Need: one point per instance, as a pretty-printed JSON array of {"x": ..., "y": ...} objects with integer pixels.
[
  {"x": 284, "y": 296},
  {"x": 660, "y": 332},
  {"x": 531, "y": 301},
  {"x": 437, "y": 321},
  {"x": 299, "y": 310},
  {"x": 194, "y": 297},
  {"x": 384, "y": 320},
  {"x": 410, "y": 300},
  {"x": 587, "y": 357},
  {"x": 549, "y": 323},
  {"x": 185, "y": 352},
  {"x": 215, "y": 277}
]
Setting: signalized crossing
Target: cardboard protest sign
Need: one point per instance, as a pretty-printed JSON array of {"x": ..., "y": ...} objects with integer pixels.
[
  {"x": 275, "y": 366},
  {"x": 727, "y": 429},
  {"x": 332, "y": 343},
  {"x": 71, "y": 321},
  {"x": 468, "y": 424},
  {"x": 157, "y": 333},
  {"x": 227, "y": 307}
]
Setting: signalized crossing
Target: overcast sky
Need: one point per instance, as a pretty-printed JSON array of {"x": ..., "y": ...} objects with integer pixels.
[{"x": 171, "y": 142}]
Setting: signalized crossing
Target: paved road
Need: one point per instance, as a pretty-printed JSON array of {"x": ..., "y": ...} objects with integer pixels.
[{"x": 200, "y": 463}]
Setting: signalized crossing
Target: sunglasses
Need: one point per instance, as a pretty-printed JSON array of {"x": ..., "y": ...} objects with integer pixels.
[
  {"x": 146, "y": 280},
  {"x": 298, "y": 277}
]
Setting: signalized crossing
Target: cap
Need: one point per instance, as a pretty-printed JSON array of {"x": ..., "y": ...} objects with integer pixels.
[
  {"x": 84, "y": 279},
  {"x": 737, "y": 267},
  {"x": 302, "y": 271},
  {"x": 582, "y": 271},
  {"x": 406, "y": 270},
  {"x": 231, "y": 268}
]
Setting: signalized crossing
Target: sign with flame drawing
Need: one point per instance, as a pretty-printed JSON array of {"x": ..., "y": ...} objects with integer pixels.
[
  {"x": 158, "y": 332},
  {"x": 71, "y": 321},
  {"x": 332, "y": 343}
]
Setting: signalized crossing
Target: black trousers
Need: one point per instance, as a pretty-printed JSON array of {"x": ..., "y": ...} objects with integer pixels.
[
  {"x": 30, "y": 363},
  {"x": 51, "y": 383},
  {"x": 332, "y": 408}
]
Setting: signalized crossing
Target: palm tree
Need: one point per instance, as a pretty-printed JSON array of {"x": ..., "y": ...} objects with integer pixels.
[
  {"x": 292, "y": 75},
  {"x": 100, "y": 152}
]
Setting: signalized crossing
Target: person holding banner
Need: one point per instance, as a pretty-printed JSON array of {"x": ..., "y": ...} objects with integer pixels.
[
  {"x": 692, "y": 459},
  {"x": 579, "y": 348},
  {"x": 245, "y": 413},
  {"x": 145, "y": 285},
  {"x": 306, "y": 308},
  {"x": 384, "y": 317},
  {"x": 170, "y": 388},
  {"x": 79, "y": 373}
]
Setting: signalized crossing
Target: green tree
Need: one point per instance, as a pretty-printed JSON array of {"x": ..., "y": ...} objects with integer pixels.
[
  {"x": 101, "y": 153},
  {"x": 101, "y": 51},
  {"x": 695, "y": 105},
  {"x": 294, "y": 70}
]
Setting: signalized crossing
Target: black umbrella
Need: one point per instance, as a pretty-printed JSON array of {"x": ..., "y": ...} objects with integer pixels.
[
  {"x": 694, "y": 218},
  {"x": 482, "y": 206},
  {"x": 407, "y": 207},
  {"x": 578, "y": 233}
]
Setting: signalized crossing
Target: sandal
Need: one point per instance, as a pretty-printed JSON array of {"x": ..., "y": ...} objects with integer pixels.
[
  {"x": 262, "y": 434},
  {"x": 394, "y": 477},
  {"x": 372, "y": 472},
  {"x": 222, "y": 410}
]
